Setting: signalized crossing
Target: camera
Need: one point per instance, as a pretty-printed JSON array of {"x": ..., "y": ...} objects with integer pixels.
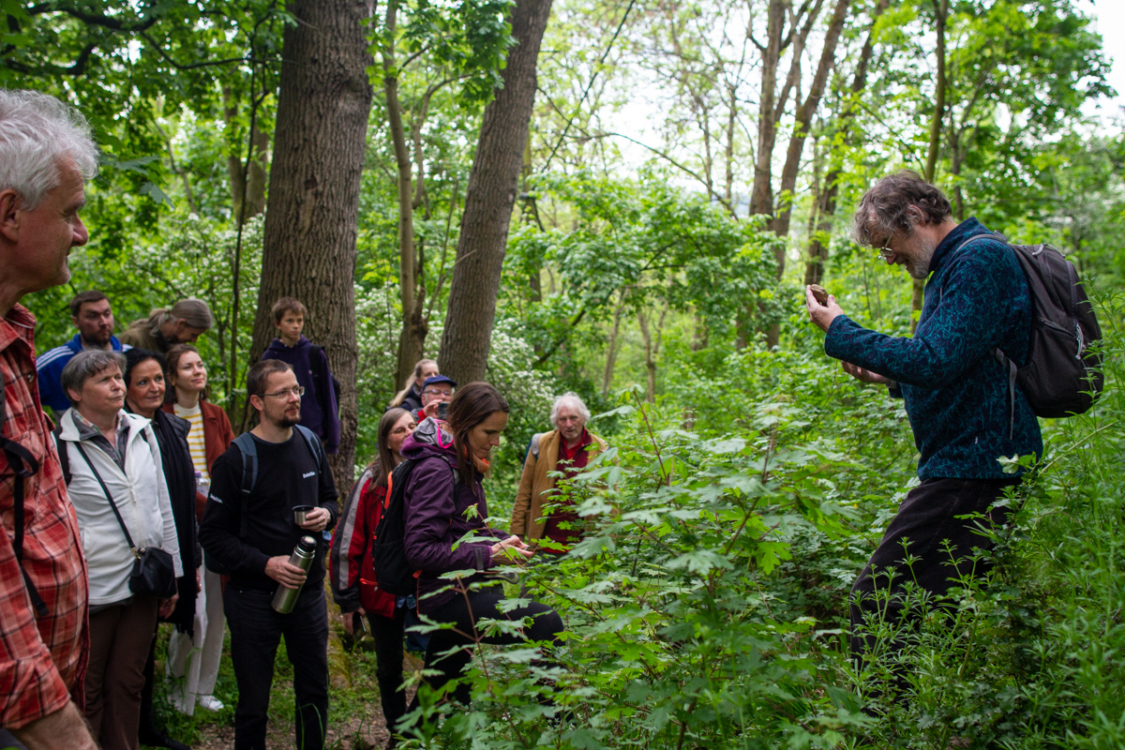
[{"x": 442, "y": 410}]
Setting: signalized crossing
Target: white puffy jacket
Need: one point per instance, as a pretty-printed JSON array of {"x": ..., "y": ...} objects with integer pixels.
[{"x": 142, "y": 499}]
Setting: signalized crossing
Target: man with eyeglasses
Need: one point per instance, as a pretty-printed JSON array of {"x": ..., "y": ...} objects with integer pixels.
[
  {"x": 437, "y": 390},
  {"x": 250, "y": 529},
  {"x": 955, "y": 391}
]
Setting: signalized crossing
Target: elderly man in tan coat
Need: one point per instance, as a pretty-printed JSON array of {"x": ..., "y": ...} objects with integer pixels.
[{"x": 567, "y": 448}]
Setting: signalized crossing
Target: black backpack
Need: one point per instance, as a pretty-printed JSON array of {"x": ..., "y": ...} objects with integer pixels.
[
  {"x": 388, "y": 553},
  {"x": 1062, "y": 376}
]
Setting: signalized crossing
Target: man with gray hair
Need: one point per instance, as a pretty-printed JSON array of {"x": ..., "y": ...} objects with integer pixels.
[
  {"x": 955, "y": 392},
  {"x": 540, "y": 516},
  {"x": 163, "y": 329},
  {"x": 46, "y": 156}
]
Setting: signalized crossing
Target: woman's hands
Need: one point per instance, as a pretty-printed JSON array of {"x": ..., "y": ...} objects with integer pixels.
[
  {"x": 167, "y": 606},
  {"x": 510, "y": 550}
]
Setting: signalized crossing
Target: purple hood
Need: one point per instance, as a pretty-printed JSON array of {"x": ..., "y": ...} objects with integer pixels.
[{"x": 436, "y": 505}]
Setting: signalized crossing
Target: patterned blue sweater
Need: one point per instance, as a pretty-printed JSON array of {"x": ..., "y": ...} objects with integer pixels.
[{"x": 956, "y": 393}]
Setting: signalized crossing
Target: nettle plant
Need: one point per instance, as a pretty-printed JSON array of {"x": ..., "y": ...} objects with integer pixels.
[{"x": 673, "y": 639}]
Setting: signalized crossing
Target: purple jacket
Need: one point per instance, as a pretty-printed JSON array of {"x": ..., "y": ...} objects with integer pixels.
[{"x": 436, "y": 503}]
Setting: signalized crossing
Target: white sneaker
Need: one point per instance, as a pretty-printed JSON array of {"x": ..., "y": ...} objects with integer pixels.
[{"x": 211, "y": 703}]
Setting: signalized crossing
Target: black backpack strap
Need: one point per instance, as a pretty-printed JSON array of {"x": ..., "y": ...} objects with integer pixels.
[
  {"x": 64, "y": 454},
  {"x": 23, "y": 466},
  {"x": 313, "y": 442},
  {"x": 249, "y": 451}
]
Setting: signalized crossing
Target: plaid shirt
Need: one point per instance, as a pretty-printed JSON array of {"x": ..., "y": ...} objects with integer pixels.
[{"x": 42, "y": 661}]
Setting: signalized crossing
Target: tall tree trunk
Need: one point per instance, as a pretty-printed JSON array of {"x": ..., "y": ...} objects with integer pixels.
[
  {"x": 254, "y": 184},
  {"x": 611, "y": 347},
  {"x": 817, "y": 252},
  {"x": 310, "y": 233},
  {"x": 493, "y": 186},
  {"x": 652, "y": 340},
  {"x": 941, "y": 11},
  {"x": 412, "y": 289},
  {"x": 761, "y": 192},
  {"x": 803, "y": 119}
]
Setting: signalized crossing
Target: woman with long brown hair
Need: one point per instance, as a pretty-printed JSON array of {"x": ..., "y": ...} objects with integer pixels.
[
  {"x": 353, "y": 581},
  {"x": 451, "y": 458},
  {"x": 193, "y": 660}
]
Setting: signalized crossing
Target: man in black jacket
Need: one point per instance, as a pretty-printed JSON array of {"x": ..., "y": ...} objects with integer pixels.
[{"x": 250, "y": 531}]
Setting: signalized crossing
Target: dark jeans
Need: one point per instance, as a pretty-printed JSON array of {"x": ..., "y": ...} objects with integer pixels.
[
  {"x": 388, "y": 636},
  {"x": 545, "y": 626},
  {"x": 928, "y": 520},
  {"x": 255, "y": 631}
]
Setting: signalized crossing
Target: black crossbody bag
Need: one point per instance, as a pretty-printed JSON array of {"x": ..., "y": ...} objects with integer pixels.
[{"x": 153, "y": 572}]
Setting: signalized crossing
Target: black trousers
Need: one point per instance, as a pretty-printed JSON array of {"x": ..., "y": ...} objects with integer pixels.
[
  {"x": 940, "y": 543},
  {"x": 388, "y": 635},
  {"x": 463, "y": 612},
  {"x": 255, "y": 632}
]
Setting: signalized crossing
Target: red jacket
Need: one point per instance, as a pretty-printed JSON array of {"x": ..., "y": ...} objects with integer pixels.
[
  {"x": 217, "y": 437},
  {"x": 350, "y": 569}
]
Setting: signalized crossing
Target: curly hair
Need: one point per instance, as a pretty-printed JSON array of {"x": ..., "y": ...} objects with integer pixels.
[{"x": 885, "y": 209}]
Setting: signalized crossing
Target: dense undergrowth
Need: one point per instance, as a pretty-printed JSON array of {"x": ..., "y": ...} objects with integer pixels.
[{"x": 707, "y": 607}]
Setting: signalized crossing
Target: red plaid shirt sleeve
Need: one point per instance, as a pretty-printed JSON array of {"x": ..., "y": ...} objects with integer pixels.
[{"x": 42, "y": 660}]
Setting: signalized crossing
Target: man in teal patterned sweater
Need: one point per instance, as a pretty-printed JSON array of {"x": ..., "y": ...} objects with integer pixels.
[{"x": 955, "y": 391}]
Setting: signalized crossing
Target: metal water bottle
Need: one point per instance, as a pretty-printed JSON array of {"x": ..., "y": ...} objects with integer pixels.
[{"x": 285, "y": 598}]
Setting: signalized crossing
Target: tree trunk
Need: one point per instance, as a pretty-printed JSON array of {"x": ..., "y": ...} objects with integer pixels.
[
  {"x": 803, "y": 118},
  {"x": 761, "y": 193},
  {"x": 941, "y": 10},
  {"x": 493, "y": 186},
  {"x": 652, "y": 348},
  {"x": 310, "y": 232},
  {"x": 826, "y": 209},
  {"x": 255, "y": 182},
  {"x": 412, "y": 289},
  {"x": 611, "y": 347}
]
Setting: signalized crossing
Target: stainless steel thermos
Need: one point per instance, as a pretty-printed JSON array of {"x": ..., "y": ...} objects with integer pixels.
[{"x": 285, "y": 598}]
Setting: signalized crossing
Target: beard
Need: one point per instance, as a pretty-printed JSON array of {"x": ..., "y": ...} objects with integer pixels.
[
  {"x": 99, "y": 339},
  {"x": 287, "y": 422},
  {"x": 918, "y": 264}
]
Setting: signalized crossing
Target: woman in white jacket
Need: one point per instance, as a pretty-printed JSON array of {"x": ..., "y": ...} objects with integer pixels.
[{"x": 97, "y": 434}]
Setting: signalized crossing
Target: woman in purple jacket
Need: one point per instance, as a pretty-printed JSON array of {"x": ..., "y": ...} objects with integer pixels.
[{"x": 452, "y": 459}]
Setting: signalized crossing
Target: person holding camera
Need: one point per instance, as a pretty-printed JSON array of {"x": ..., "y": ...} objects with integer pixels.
[
  {"x": 444, "y": 502},
  {"x": 437, "y": 390},
  {"x": 112, "y": 464}
]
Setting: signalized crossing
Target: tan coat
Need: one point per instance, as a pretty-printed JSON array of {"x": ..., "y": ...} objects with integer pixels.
[{"x": 527, "y": 515}]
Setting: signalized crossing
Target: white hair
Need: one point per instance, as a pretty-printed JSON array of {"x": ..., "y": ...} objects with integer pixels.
[
  {"x": 37, "y": 131},
  {"x": 574, "y": 400}
]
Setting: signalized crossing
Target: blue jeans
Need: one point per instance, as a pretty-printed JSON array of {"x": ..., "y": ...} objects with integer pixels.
[{"x": 255, "y": 631}]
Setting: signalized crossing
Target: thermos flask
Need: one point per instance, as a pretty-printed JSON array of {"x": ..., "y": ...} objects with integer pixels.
[{"x": 285, "y": 598}]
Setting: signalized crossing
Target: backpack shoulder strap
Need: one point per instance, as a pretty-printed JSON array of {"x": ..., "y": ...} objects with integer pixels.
[
  {"x": 249, "y": 451},
  {"x": 23, "y": 465},
  {"x": 535, "y": 444},
  {"x": 63, "y": 450},
  {"x": 313, "y": 441}
]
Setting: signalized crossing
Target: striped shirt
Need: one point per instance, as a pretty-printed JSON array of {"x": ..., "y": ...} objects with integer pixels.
[{"x": 195, "y": 441}]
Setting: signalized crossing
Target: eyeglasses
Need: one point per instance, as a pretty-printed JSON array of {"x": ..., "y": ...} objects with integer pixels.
[
  {"x": 437, "y": 392},
  {"x": 402, "y": 430},
  {"x": 298, "y": 392},
  {"x": 885, "y": 249}
]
